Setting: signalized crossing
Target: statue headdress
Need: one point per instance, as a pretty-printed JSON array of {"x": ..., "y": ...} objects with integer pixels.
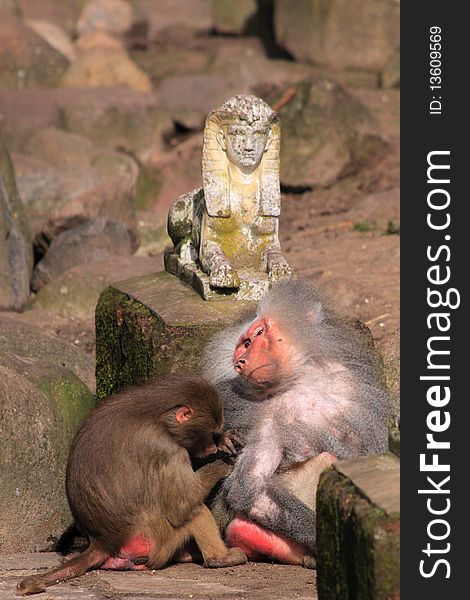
[{"x": 248, "y": 110}]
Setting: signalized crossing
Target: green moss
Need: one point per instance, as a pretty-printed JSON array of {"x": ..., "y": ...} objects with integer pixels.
[
  {"x": 365, "y": 226},
  {"x": 133, "y": 343},
  {"x": 357, "y": 543},
  {"x": 392, "y": 228},
  {"x": 71, "y": 396},
  {"x": 127, "y": 334}
]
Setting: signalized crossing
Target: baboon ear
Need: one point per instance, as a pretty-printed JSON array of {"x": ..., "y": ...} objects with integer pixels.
[
  {"x": 315, "y": 314},
  {"x": 183, "y": 413}
]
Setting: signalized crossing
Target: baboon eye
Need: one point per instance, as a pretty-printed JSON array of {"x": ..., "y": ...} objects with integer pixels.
[
  {"x": 247, "y": 343},
  {"x": 260, "y": 332}
]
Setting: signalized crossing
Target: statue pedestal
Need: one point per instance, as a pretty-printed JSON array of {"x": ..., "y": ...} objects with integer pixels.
[
  {"x": 152, "y": 325},
  {"x": 252, "y": 285}
]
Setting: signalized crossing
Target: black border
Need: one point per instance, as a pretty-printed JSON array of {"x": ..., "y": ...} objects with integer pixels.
[{"x": 420, "y": 134}]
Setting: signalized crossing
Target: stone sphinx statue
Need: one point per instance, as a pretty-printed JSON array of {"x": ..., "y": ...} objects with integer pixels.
[{"x": 225, "y": 234}]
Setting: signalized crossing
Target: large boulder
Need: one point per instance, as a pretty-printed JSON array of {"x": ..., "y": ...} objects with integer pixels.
[
  {"x": 16, "y": 253},
  {"x": 41, "y": 406},
  {"x": 93, "y": 241},
  {"x": 55, "y": 36},
  {"x": 63, "y": 13},
  {"x": 74, "y": 293},
  {"x": 194, "y": 14},
  {"x": 26, "y": 59},
  {"x": 326, "y": 134},
  {"x": 118, "y": 118},
  {"x": 344, "y": 34},
  {"x": 9, "y": 7},
  {"x": 60, "y": 148},
  {"x": 19, "y": 122},
  {"x": 34, "y": 340},
  {"x": 66, "y": 193},
  {"x": 105, "y": 67}
]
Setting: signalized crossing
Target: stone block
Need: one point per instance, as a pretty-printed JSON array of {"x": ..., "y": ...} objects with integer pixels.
[
  {"x": 152, "y": 325},
  {"x": 358, "y": 522}
]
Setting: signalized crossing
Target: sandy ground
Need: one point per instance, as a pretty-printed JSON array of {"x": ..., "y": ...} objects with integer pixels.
[{"x": 260, "y": 581}]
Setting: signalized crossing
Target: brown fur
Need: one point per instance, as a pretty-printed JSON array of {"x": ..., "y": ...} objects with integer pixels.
[{"x": 129, "y": 474}]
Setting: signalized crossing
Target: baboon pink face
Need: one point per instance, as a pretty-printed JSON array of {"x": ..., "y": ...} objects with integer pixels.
[{"x": 263, "y": 353}]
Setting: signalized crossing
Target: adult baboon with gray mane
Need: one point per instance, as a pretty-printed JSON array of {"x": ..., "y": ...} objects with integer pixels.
[{"x": 302, "y": 387}]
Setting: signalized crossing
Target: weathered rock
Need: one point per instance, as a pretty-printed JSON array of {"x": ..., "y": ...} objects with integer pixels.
[
  {"x": 197, "y": 94},
  {"x": 243, "y": 62},
  {"x": 326, "y": 134},
  {"x": 105, "y": 67},
  {"x": 9, "y": 7},
  {"x": 233, "y": 17},
  {"x": 63, "y": 13},
  {"x": 16, "y": 253},
  {"x": 18, "y": 121},
  {"x": 193, "y": 14},
  {"x": 55, "y": 36},
  {"x": 41, "y": 406},
  {"x": 152, "y": 233},
  {"x": 26, "y": 59},
  {"x": 28, "y": 340},
  {"x": 153, "y": 325},
  {"x": 75, "y": 292},
  {"x": 168, "y": 56},
  {"x": 104, "y": 189},
  {"x": 120, "y": 118},
  {"x": 390, "y": 75},
  {"x": 358, "y": 515},
  {"x": 344, "y": 34},
  {"x": 60, "y": 148},
  {"x": 178, "y": 170},
  {"x": 116, "y": 17},
  {"x": 96, "y": 240}
]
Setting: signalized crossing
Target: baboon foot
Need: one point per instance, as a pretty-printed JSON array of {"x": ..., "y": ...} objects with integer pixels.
[{"x": 233, "y": 557}]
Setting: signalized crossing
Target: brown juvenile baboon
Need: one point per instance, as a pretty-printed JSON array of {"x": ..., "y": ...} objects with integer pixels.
[
  {"x": 301, "y": 388},
  {"x": 130, "y": 484}
]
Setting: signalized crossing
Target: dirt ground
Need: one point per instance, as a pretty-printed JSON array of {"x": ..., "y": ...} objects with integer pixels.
[{"x": 178, "y": 582}]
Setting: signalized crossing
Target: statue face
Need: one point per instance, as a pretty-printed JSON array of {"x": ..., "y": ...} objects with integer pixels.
[{"x": 245, "y": 145}]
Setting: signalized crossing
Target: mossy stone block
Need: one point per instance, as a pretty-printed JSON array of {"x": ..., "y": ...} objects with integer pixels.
[
  {"x": 152, "y": 325},
  {"x": 358, "y": 530}
]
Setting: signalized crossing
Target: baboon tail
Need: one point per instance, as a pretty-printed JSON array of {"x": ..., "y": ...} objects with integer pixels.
[{"x": 91, "y": 558}]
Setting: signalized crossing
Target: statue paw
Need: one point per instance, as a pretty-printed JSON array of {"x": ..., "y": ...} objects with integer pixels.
[
  {"x": 279, "y": 268},
  {"x": 224, "y": 276}
]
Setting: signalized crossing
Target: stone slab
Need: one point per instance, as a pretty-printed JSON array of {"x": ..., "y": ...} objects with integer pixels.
[
  {"x": 177, "y": 303},
  {"x": 152, "y": 325},
  {"x": 358, "y": 530},
  {"x": 377, "y": 477}
]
